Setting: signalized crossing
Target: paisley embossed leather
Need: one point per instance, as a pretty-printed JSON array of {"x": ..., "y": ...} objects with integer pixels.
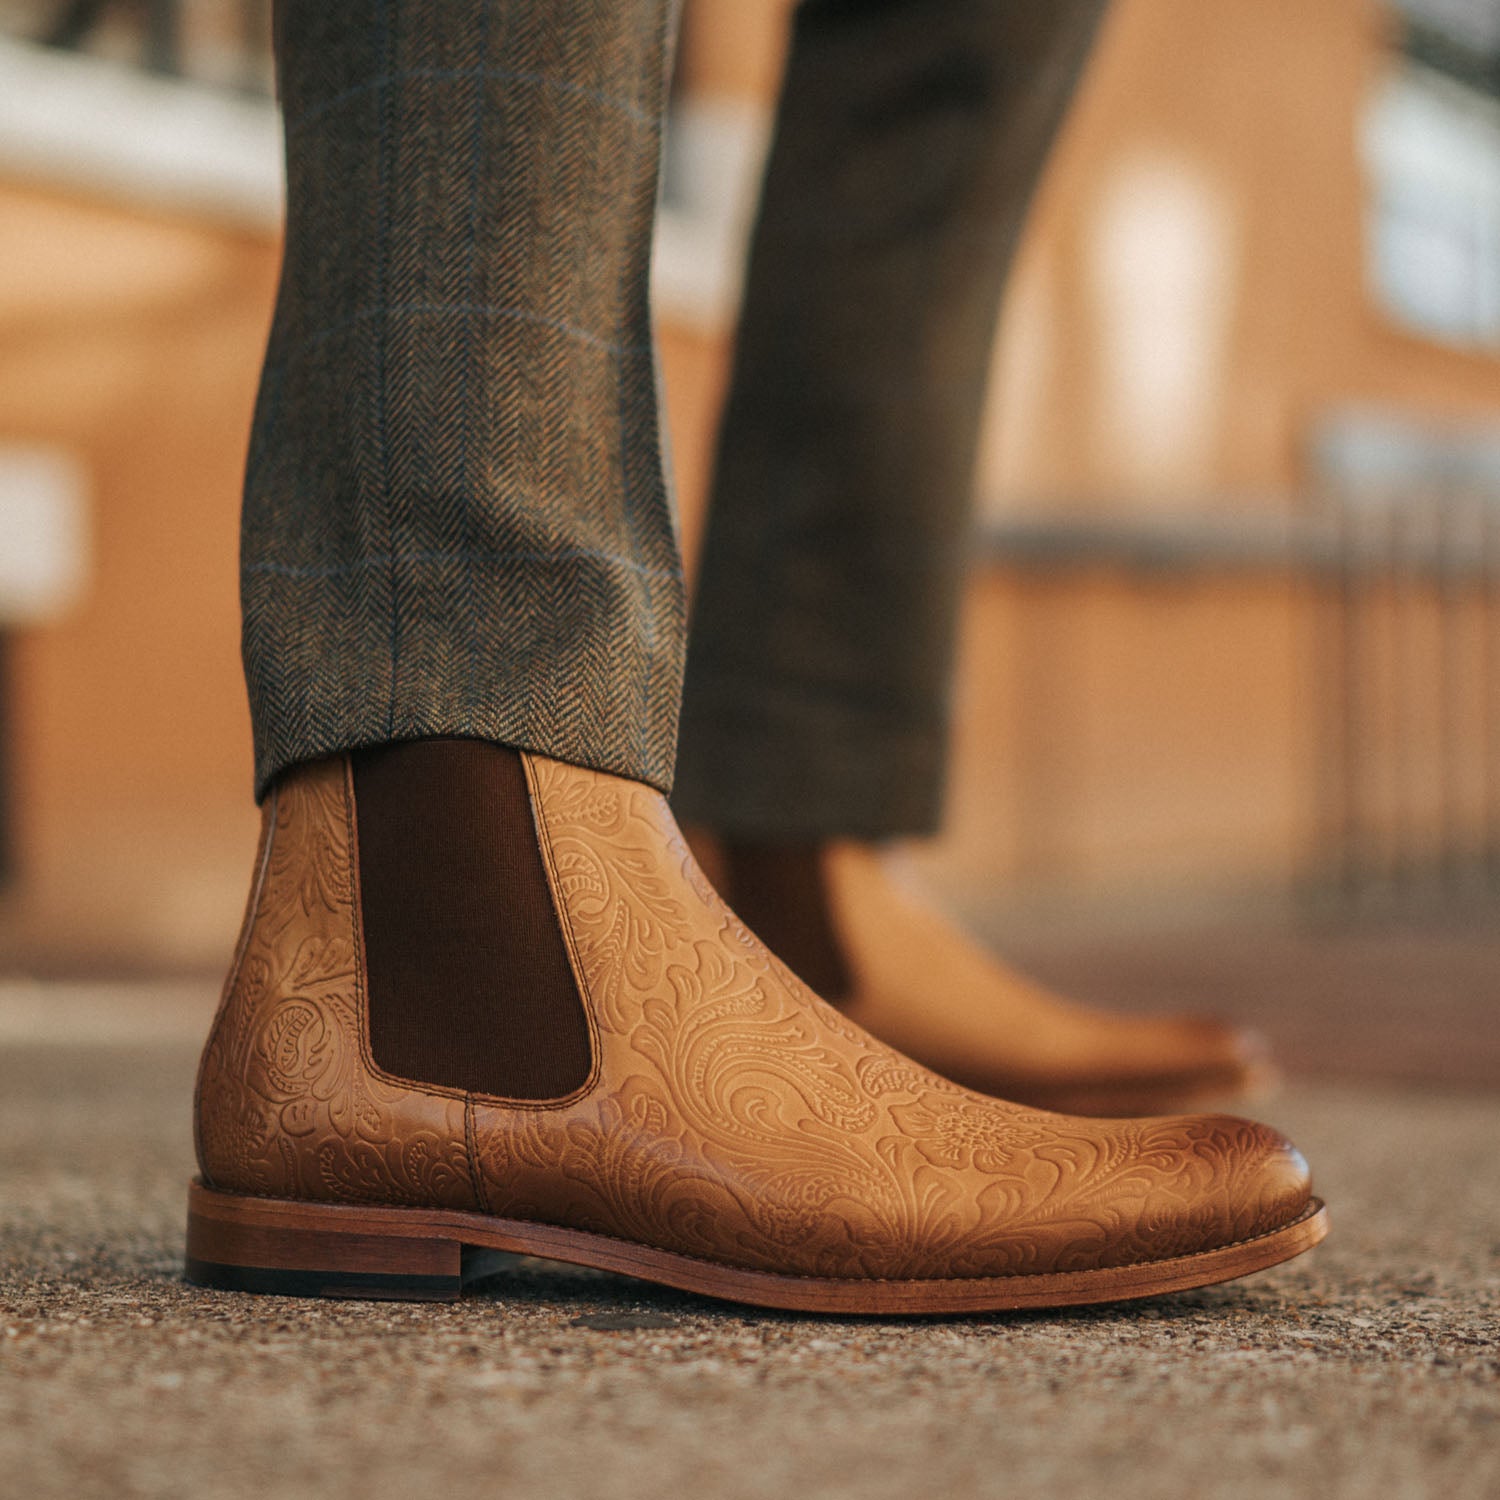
[{"x": 728, "y": 1115}]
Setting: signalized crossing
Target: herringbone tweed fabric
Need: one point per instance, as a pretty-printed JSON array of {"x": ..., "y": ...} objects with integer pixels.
[
  {"x": 911, "y": 136},
  {"x": 455, "y": 519}
]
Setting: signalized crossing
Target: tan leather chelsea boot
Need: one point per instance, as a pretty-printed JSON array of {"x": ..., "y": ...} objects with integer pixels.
[
  {"x": 729, "y": 1133},
  {"x": 841, "y": 916}
]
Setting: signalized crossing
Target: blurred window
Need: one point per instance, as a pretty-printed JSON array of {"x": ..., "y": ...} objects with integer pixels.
[
  {"x": 225, "y": 43},
  {"x": 1432, "y": 149}
]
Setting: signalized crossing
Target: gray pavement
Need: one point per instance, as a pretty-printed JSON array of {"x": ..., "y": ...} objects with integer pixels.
[{"x": 1370, "y": 1368}]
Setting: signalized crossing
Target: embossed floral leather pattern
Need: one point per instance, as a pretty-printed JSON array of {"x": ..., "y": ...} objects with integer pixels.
[{"x": 729, "y": 1114}]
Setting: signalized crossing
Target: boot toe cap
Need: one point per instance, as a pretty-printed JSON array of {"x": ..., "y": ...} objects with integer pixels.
[{"x": 1237, "y": 1180}]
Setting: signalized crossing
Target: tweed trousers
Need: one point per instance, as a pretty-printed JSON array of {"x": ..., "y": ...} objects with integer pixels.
[
  {"x": 456, "y": 518},
  {"x": 910, "y": 138}
]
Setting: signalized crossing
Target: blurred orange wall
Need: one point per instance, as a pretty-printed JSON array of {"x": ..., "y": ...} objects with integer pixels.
[
  {"x": 1114, "y": 736},
  {"x": 133, "y": 342}
]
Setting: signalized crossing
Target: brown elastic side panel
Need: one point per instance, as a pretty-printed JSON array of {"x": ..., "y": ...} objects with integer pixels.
[
  {"x": 469, "y": 981},
  {"x": 780, "y": 893}
]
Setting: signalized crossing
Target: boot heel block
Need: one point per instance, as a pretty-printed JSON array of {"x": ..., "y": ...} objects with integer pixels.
[{"x": 243, "y": 1244}]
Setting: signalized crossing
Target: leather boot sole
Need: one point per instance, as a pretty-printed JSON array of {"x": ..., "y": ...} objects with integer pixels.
[{"x": 274, "y": 1245}]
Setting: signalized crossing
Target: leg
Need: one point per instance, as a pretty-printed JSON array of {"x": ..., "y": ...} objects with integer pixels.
[
  {"x": 455, "y": 517},
  {"x": 483, "y": 997},
  {"x": 911, "y": 137}
]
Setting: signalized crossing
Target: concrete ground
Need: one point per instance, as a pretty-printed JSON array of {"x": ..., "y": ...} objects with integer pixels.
[{"x": 1369, "y": 1368}]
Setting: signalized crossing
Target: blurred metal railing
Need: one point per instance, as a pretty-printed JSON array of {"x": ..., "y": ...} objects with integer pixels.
[
  {"x": 159, "y": 32},
  {"x": 160, "y": 23},
  {"x": 1397, "y": 552},
  {"x": 1409, "y": 662}
]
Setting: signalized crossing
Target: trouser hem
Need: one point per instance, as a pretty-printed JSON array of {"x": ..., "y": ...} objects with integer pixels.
[{"x": 767, "y": 772}]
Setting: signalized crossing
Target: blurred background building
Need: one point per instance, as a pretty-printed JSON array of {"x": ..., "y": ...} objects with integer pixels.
[{"x": 1233, "y": 642}]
